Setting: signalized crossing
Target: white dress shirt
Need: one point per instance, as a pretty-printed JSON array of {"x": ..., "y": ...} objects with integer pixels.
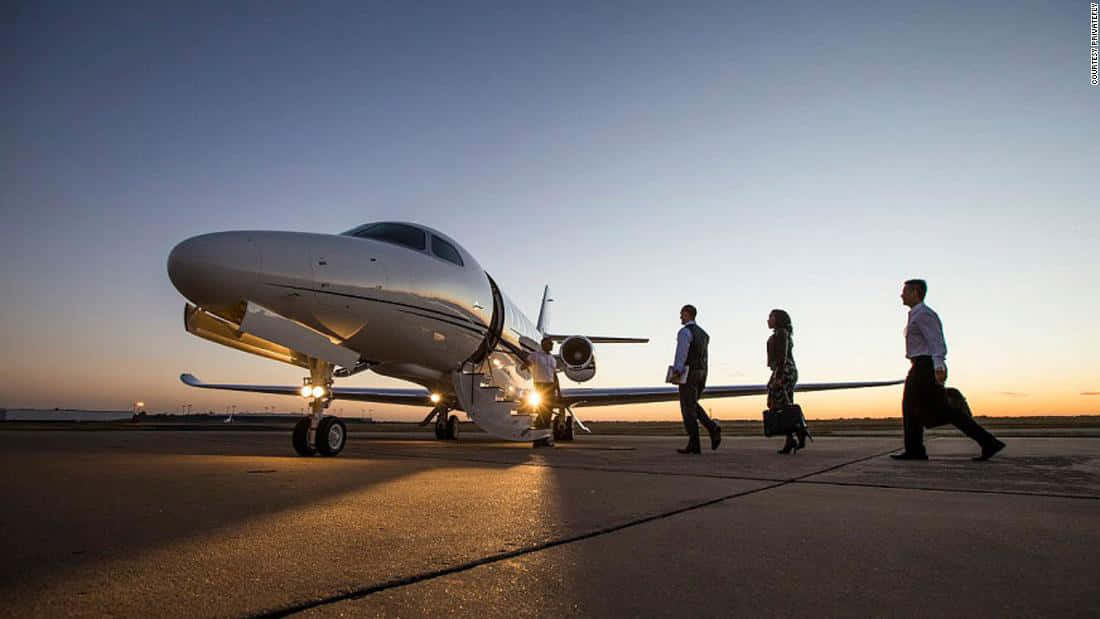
[
  {"x": 683, "y": 343},
  {"x": 924, "y": 335},
  {"x": 543, "y": 365}
]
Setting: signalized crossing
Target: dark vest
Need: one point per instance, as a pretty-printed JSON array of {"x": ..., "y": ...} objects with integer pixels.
[{"x": 697, "y": 352}]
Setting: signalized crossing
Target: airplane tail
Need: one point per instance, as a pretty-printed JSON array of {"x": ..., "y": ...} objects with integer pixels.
[{"x": 544, "y": 311}]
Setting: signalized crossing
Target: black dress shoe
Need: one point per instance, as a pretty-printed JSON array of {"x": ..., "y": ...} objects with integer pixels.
[
  {"x": 988, "y": 452},
  {"x": 692, "y": 448},
  {"x": 716, "y": 436},
  {"x": 905, "y": 455}
]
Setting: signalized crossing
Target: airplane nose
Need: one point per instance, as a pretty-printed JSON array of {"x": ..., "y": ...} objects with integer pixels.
[{"x": 215, "y": 271}]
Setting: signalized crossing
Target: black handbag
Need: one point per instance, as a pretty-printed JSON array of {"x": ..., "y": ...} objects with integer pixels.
[{"x": 784, "y": 420}]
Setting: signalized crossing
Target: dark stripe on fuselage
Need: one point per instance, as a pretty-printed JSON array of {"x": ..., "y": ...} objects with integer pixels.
[
  {"x": 472, "y": 326},
  {"x": 511, "y": 348},
  {"x": 470, "y": 323},
  {"x": 479, "y": 332}
]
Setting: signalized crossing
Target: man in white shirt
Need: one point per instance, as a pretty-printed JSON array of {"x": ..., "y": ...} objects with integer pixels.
[
  {"x": 691, "y": 357},
  {"x": 925, "y": 402}
]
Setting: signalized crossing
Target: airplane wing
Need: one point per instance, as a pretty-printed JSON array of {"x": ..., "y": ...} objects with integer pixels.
[
  {"x": 611, "y": 396},
  {"x": 413, "y": 397}
]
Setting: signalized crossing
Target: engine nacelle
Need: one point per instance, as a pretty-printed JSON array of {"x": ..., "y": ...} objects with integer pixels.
[{"x": 578, "y": 359}]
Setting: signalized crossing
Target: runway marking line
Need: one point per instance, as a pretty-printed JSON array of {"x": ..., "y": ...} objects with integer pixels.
[{"x": 417, "y": 578}]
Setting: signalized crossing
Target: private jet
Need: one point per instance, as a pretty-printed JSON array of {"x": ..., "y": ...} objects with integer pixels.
[{"x": 401, "y": 300}]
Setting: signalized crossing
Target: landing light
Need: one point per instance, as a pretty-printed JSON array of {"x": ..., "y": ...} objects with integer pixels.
[
  {"x": 306, "y": 391},
  {"x": 435, "y": 398},
  {"x": 318, "y": 391},
  {"x": 534, "y": 398}
]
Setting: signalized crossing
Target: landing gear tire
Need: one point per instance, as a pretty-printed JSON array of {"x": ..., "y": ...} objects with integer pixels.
[
  {"x": 440, "y": 432},
  {"x": 300, "y": 438},
  {"x": 332, "y": 435},
  {"x": 451, "y": 432},
  {"x": 563, "y": 428}
]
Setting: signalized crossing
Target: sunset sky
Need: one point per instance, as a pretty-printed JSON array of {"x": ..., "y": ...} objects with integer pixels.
[{"x": 634, "y": 156}]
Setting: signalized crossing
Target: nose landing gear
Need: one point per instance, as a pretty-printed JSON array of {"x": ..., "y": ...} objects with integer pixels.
[{"x": 317, "y": 432}]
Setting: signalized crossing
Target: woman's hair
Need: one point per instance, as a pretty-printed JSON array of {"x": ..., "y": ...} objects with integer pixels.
[{"x": 782, "y": 320}]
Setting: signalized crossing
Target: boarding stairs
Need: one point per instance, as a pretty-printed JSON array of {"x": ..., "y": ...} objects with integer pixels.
[{"x": 484, "y": 392}]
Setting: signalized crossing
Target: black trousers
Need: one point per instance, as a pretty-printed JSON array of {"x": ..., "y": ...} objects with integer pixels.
[
  {"x": 923, "y": 400},
  {"x": 551, "y": 393},
  {"x": 690, "y": 410}
]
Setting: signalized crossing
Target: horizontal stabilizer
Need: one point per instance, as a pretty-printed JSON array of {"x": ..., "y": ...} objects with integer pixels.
[{"x": 600, "y": 339}]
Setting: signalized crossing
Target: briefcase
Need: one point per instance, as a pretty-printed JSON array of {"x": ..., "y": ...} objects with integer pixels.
[
  {"x": 784, "y": 420},
  {"x": 955, "y": 408}
]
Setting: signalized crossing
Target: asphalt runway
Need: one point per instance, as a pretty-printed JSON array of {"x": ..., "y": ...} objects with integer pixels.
[{"x": 186, "y": 524}]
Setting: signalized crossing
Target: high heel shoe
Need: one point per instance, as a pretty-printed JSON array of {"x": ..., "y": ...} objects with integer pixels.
[
  {"x": 789, "y": 446},
  {"x": 803, "y": 434}
]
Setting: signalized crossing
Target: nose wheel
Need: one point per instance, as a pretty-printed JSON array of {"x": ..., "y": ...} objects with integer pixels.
[
  {"x": 331, "y": 437},
  {"x": 300, "y": 438}
]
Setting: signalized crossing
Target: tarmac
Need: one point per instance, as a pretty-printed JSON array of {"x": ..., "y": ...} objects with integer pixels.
[{"x": 192, "y": 524}]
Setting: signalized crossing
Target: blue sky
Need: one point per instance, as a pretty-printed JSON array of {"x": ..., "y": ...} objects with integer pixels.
[{"x": 739, "y": 157}]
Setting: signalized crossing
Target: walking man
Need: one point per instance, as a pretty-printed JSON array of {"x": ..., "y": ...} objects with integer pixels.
[
  {"x": 925, "y": 402},
  {"x": 691, "y": 358}
]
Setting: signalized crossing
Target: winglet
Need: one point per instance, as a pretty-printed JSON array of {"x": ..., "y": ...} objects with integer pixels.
[{"x": 189, "y": 379}]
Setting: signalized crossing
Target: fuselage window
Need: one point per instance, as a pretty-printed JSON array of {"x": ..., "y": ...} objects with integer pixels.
[
  {"x": 399, "y": 234},
  {"x": 445, "y": 250}
]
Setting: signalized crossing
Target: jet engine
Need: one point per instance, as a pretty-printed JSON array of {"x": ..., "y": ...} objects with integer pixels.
[{"x": 578, "y": 359}]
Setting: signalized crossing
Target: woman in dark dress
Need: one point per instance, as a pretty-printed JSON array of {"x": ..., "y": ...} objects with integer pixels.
[{"x": 784, "y": 372}]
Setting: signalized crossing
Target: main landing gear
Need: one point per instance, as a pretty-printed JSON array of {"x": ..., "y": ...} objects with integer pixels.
[
  {"x": 563, "y": 427},
  {"x": 318, "y": 433},
  {"x": 446, "y": 426},
  {"x": 448, "y": 430}
]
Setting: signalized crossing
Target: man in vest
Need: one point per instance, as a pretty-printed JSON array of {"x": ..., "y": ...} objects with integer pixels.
[{"x": 691, "y": 360}]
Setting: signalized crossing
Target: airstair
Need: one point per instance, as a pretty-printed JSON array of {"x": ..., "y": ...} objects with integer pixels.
[{"x": 485, "y": 393}]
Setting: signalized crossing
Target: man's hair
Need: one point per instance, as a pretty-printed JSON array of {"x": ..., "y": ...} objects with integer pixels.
[
  {"x": 920, "y": 285},
  {"x": 547, "y": 343},
  {"x": 690, "y": 309}
]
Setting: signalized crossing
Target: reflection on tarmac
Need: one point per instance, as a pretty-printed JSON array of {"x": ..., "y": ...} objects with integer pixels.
[{"x": 229, "y": 523}]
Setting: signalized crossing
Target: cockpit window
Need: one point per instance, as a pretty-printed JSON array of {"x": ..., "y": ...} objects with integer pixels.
[
  {"x": 399, "y": 234},
  {"x": 445, "y": 250}
]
